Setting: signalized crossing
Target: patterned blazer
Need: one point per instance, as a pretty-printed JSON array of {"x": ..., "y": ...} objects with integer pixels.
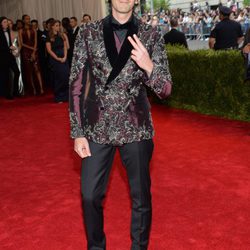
[{"x": 108, "y": 100}]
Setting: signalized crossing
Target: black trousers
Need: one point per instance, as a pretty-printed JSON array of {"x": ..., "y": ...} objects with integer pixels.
[
  {"x": 11, "y": 87},
  {"x": 94, "y": 178}
]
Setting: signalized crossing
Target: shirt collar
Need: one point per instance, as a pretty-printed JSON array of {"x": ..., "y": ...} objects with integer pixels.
[{"x": 118, "y": 26}]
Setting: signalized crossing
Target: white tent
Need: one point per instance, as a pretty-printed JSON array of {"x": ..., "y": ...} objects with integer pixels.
[{"x": 44, "y": 9}]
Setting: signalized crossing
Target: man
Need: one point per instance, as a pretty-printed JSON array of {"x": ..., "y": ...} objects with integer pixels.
[
  {"x": 114, "y": 59},
  {"x": 44, "y": 26},
  {"x": 74, "y": 25},
  {"x": 86, "y": 18},
  {"x": 75, "y": 29},
  {"x": 8, "y": 61},
  {"x": 174, "y": 36},
  {"x": 227, "y": 34}
]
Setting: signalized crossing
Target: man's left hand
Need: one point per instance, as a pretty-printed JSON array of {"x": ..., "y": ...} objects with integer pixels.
[{"x": 140, "y": 55}]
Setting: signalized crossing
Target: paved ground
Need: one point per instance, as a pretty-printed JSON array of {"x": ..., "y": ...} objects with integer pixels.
[{"x": 197, "y": 44}]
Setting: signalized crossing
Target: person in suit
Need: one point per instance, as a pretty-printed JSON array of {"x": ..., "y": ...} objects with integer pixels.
[
  {"x": 74, "y": 26},
  {"x": 114, "y": 60},
  {"x": 8, "y": 61},
  {"x": 174, "y": 36},
  {"x": 75, "y": 29}
]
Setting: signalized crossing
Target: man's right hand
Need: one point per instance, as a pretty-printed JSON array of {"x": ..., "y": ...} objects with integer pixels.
[{"x": 81, "y": 147}]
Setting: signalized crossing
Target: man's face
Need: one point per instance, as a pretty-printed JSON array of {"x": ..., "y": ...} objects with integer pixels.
[
  {"x": 4, "y": 24},
  {"x": 19, "y": 25},
  {"x": 34, "y": 25},
  {"x": 44, "y": 25},
  {"x": 26, "y": 20},
  {"x": 123, "y": 6},
  {"x": 73, "y": 23},
  {"x": 86, "y": 19}
]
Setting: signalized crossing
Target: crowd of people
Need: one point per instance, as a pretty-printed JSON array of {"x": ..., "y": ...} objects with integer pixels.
[
  {"x": 198, "y": 22},
  {"x": 33, "y": 59}
]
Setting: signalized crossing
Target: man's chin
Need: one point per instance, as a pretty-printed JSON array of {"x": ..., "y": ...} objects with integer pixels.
[{"x": 127, "y": 11}]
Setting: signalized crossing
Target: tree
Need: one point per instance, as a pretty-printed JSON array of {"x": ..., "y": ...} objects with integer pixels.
[
  {"x": 246, "y": 3},
  {"x": 158, "y": 5},
  {"x": 143, "y": 6},
  {"x": 161, "y": 4}
]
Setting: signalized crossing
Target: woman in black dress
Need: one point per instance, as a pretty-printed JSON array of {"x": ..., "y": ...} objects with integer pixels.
[{"x": 57, "y": 47}]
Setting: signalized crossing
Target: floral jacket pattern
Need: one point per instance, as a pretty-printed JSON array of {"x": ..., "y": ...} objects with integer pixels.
[{"x": 108, "y": 99}]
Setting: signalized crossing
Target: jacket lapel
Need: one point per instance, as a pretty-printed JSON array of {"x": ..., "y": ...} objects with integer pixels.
[
  {"x": 6, "y": 44},
  {"x": 109, "y": 41},
  {"x": 117, "y": 61},
  {"x": 10, "y": 43}
]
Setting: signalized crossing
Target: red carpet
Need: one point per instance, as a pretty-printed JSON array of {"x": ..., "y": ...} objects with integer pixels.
[{"x": 200, "y": 182}]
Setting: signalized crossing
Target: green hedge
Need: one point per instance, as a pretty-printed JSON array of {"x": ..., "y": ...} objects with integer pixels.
[{"x": 209, "y": 82}]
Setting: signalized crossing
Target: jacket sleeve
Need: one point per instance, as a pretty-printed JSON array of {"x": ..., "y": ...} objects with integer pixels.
[
  {"x": 160, "y": 80},
  {"x": 77, "y": 84}
]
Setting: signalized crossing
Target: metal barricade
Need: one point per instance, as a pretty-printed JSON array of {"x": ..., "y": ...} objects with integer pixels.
[{"x": 192, "y": 31}]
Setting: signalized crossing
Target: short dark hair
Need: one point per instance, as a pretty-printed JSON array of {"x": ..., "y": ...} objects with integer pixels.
[
  {"x": 50, "y": 20},
  {"x": 66, "y": 24},
  {"x": 1, "y": 19},
  {"x": 14, "y": 27},
  {"x": 174, "y": 22},
  {"x": 24, "y": 16},
  {"x": 74, "y": 18},
  {"x": 34, "y": 21},
  {"x": 87, "y": 16},
  {"x": 19, "y": 20}
]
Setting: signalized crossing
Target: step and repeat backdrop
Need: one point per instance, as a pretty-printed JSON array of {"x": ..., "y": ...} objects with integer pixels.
[{"x": 44, "y": 9}]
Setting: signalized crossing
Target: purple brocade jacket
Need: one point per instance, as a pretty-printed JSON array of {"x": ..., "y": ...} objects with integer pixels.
[{"x": 108, "y": 99}]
